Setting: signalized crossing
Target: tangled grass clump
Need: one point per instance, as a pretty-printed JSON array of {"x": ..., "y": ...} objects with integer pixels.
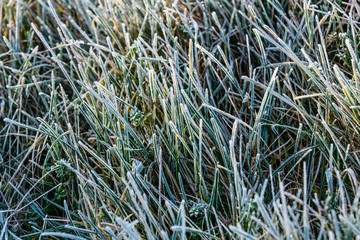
[{"x": 147, "y": 119}]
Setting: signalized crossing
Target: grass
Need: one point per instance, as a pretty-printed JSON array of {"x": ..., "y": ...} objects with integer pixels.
[{"x": 144, "y": 119}]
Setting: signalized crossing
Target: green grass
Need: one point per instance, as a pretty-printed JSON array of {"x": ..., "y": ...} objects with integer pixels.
[{"x": 146, "y": 119}]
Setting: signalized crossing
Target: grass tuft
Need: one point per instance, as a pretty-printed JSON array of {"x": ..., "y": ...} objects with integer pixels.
[{"x": 179, "y": 120}]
